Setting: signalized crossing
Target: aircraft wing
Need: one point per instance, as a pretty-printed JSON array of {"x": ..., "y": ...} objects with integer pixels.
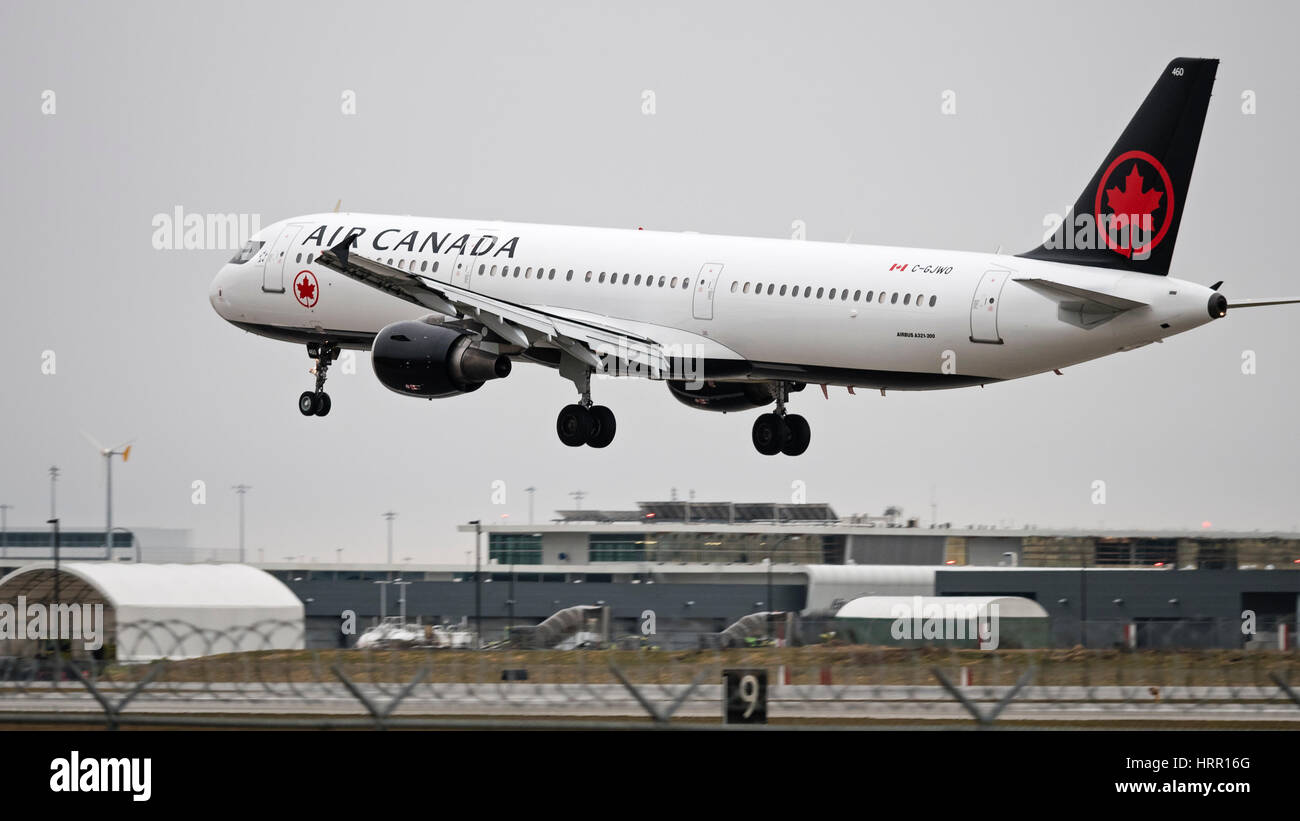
[
  {"x": 521, "y": 325},
  {"x": 1115, "y": 303}
]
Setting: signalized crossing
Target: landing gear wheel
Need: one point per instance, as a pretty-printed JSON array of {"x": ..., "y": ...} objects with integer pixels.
[
  {"x": 574, "y": 425},
  {"x": 769, "y": 434},
  {"x": 317, "y": 402},
  {"x": 797, "y": 435},
  {"x": 602, "y": 428}
]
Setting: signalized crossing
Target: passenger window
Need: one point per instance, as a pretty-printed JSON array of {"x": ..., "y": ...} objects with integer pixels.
[
  {"x": 602, "y": 278},
  {"x": 907, "y": 299},
  {"x": 734, "y": 286},
  {"x": 625, "y": 276},
  {"x": 820, "y": 291},
  {"x": 637, "y": 281},
  {"x": 299, "y": 259},
  {"x": 831, "y": 295},
  {"x": 589, "y": 276},
  {"x": 686, "y": 282},
  {"x": 746, "y": 287},
  {"x": 844, "y": 295},
  {"x": 569, "y": 276},
  {"x": 673, "y": 284},
  {"x": 481, "y": 269},
  {"x": 893, "y": 300},
  {"x": 783, "y": 290},
  {"x": 807, "y": 291},
  {"x": 435, "y": 266},
  {"x": 932, "y": 300},
  {"x": 552, "y": 276},
  {"x": 770, "y": 287},
  {"x": 881, "y": 299},
  {"x": 424, "y": 265},
  {"x": 661, "y": 281}
]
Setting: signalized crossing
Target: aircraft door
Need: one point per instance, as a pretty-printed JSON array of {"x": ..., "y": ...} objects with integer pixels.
[
  {"x": 705, "y": 285},
  {"x": 467, "y": 264},
  {"x": 984, "y": 307},
  {"x": 276, "y": 257}
]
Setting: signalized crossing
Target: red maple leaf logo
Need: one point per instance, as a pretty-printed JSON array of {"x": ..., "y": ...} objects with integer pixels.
[
  {"x": 306, "y": 290},
  {"x": 1130, "y": 229},
  {"x": 1133, "y": 201}
]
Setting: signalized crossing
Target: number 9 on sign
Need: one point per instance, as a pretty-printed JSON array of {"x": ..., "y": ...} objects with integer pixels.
[{"x": 745, "y": 696}]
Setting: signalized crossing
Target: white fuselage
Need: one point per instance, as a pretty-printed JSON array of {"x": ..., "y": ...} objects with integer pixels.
[{"x": 868, "y": 311}]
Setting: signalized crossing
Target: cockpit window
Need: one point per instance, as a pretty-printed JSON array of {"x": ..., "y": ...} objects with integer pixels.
[{"x": 246, "y": 253}]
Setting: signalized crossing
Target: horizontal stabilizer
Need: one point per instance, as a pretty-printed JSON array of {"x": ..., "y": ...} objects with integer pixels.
[
  {"x": 1117, "y": 303},
  {"x": 1259, "y": 303}
]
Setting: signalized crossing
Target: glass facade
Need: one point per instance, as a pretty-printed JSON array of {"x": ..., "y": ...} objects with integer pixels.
[
  {"x": 511, "y": 548},
  {"x": 617, "y": 547},
  {"x": 45, "y": 538},
  {"x": 705, "y": 547}
]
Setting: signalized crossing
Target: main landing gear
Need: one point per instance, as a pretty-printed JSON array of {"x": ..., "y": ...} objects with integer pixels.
[
  {"x": 584, "y": 423},
  {"x": 778, "y": 432},
  {"x": 317, "y": 402}
]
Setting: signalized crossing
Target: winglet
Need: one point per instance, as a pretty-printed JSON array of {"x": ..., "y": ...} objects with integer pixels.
[{"x": 342, "y": 249}]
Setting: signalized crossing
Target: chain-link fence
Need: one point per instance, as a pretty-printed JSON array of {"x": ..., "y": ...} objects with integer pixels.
[{"x": 186, "y": 675}]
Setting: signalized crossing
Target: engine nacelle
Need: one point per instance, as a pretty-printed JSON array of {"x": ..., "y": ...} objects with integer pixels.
[
  {"x": 419, "y": 359},
  {"x": 723, "y": 396}
]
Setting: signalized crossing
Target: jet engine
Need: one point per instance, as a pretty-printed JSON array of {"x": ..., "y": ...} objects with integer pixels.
[
  {"x": 421, "y": 359},
  {"x": 722, "y": 396}
]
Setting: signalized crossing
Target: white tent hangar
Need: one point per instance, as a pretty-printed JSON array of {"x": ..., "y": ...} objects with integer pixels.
[
  {"x": 944, "y": 620},
  {"x": 154, "y": 611}
]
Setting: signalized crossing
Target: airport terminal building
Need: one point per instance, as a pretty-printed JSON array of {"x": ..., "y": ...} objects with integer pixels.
[
  {"x": 698, "y": 567},
  {"x": 689, "y": 569}
]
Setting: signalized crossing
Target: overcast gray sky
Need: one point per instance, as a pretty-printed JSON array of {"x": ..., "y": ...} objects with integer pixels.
[{"x": 765, "y": 113}]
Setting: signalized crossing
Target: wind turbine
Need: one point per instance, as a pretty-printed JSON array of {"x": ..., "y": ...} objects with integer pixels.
[{"x": 123, "y": 450}]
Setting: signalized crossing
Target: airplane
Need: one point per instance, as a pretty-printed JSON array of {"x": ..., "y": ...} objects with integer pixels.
[{"x": 735, "y": 323}]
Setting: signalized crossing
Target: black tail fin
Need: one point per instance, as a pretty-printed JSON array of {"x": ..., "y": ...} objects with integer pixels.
[{"x": 1127, "y": 217}]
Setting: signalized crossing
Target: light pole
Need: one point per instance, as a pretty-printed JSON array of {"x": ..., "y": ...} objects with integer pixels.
[
  {"x": 530, "y": 491},
  {"x": 54, "y": 477},
  {"x": 401, "y": 597},
  {"x": 383, "y": 598},
  {"x": 390, "y": 516},
  {"x": 58, "y": 651},
  {"x": 108, "y": 454},
  {"x": 4, "y": 530},
  {"x": 1083, "y": 598},
  {"x": 241, "y": 490},
  {"x": 478, "y": 585}
]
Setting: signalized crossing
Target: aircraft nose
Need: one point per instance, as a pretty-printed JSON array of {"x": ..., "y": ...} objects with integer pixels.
[{"x": 217, "y": 291}]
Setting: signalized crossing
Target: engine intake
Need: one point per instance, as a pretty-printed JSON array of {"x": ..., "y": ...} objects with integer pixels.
[{"x": 420, "y": 359}]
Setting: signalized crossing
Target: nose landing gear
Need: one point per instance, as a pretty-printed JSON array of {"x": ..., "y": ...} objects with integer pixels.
[
  {"x": 317, "y": 402},
  {"x": 779, "y": 432}
]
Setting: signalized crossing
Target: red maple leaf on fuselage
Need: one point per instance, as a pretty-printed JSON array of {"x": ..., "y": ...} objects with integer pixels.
[{"x": 306, "y": 291}]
